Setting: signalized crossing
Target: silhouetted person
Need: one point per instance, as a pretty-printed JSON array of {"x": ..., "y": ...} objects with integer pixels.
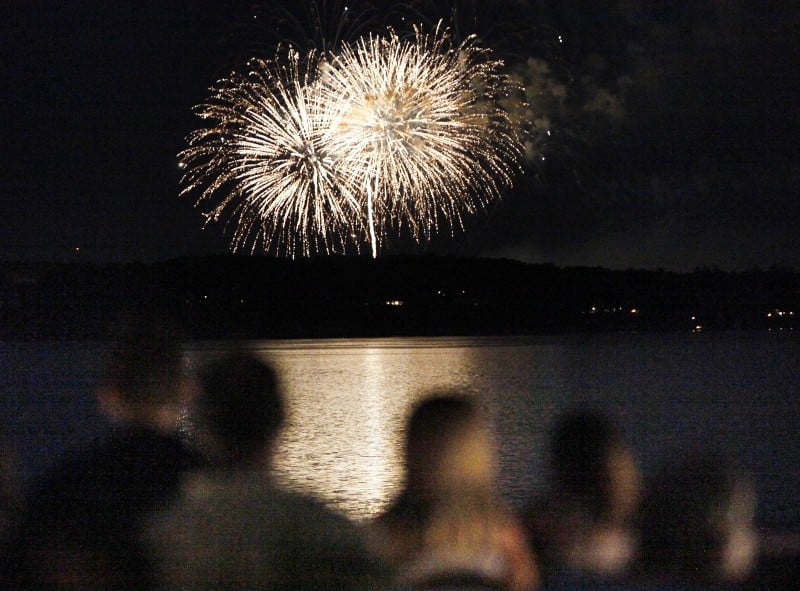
[
  {"x": 582, "y": 528},
  {"x": 448, "y": 526},
  {"x": 81, "y": 526},
  {"x": 232, "y": 527},
  {"x": 697, "y": 525},
  {"x": 239, "y": 414}
]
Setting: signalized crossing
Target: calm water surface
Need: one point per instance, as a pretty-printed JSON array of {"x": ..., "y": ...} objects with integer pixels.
[{"x": 348, "y": 401}]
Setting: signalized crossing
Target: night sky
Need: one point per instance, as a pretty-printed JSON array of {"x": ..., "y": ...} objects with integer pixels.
[{"x": 673, "y": 141}]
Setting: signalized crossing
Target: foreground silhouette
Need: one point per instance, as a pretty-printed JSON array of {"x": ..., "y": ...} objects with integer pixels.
[
  {"x": 582, "y": 528},
  {"x": 232, "y": 527},
  {"x": 80, "y": 529},
  {"x": 448, "y": 526},
  {"x": 697, "y": 524}
]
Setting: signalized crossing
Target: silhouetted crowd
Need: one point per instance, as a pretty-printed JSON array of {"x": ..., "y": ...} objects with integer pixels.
[{"x": 145, "y": 509}]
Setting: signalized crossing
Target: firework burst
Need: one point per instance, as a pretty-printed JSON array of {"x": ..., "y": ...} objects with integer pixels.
[
  {"x": 419, "y": 125},
  {"x": 264, "y": 163},
  {"x": 313, "y": 154}
]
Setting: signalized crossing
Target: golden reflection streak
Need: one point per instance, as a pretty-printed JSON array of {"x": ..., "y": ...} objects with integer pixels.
[
  {"x": 347, "y": 402},
  {"x": 340, "y": 442}
]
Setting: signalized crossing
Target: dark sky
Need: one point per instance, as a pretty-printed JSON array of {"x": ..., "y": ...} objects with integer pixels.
[{"x": 674, "y": 125}]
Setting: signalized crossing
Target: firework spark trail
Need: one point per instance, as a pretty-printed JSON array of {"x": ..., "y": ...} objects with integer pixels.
[
  {"x": 266, "y": 155},
  {"x": 419, "y": 124}
]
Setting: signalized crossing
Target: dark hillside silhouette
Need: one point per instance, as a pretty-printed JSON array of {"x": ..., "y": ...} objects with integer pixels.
[{"x": 258, "y": 297}]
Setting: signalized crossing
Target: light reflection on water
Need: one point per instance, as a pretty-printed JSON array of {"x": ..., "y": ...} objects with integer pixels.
[
  {"x": 348, "y": 400},
  {"x": 347, "y": 405}
]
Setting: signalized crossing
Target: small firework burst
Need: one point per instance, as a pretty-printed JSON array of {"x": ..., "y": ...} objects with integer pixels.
[{"x": 264, "y": 164}]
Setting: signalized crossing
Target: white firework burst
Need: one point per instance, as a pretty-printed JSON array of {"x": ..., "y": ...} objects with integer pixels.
[
  {"x": 264, "y": 164},
  {"x": 311, "y": 154},
  {"x": 418, "y": 123}
]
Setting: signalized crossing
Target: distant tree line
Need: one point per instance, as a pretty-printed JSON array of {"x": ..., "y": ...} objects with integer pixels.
[{"x": 233, "y": 297}]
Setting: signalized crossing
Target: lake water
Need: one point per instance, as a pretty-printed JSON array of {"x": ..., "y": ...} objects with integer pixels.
[{"x": 348, "y": 400}]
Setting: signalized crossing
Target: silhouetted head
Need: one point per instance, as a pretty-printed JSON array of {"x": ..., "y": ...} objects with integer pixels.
[
  {"x": 448, "y": 445},
  {"x": 141, "y": 376},
  {"x": 241, "y": 409},
  {"x": 592, "y": 466},
  {"x": 697, "y": 521}
]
